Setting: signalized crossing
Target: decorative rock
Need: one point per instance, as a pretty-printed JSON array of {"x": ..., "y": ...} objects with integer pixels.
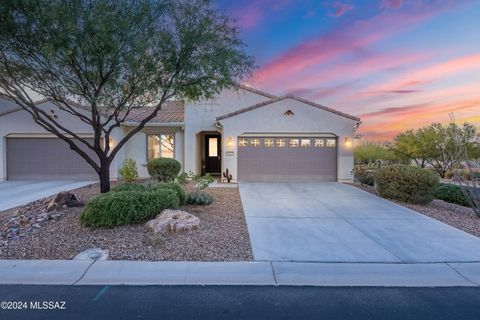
[
  {"x": 173, "y": 221},
  {"x": 36, "y": 226},
  {"x": 92, "y": 254},
  {"x": 63, "y": 198}
]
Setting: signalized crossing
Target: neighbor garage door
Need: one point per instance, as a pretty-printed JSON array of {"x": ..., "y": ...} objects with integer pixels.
[
  {"x": 45, "y": 159},
  {"x": 287, "y": 159}
]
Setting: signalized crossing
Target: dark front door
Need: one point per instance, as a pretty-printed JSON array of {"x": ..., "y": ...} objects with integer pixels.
[{"x": 212, "y": 153}]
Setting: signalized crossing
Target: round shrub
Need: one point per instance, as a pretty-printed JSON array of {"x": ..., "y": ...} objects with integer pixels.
[
  {"x": 453, "y": 194},
  {"x": 128, "y": 187},
  {"x": 199, "y": 198},
  {"x": 163, "y": 169},
  {"x": 127, "y": 207},
  {"x": 172, "y": 186},
  {"x": 406, "y": 183}
]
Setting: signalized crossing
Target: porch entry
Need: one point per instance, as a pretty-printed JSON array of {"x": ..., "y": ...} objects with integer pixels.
[{"x": 213, "y": 160}]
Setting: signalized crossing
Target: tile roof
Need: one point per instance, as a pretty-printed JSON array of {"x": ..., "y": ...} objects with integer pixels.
[
  {"x": 288, "y": 96},
  {"x": 171, "y": 112}
]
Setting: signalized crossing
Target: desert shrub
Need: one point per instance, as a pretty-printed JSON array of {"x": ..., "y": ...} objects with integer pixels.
[
  {"x": 128, "y": 187},
  {"x": 202, "y": 181},
  {"x": 364, "y": 174},
  {"x": 129, "y": 170},
  {"x": 199, "y": 198},
  {"x": 452, "y": 193},
  {"x": 406, "y": 183},
  {"x": 177, "y": 188},
  {"x": 163, "y": 169},
  {"x": 448, "y": 174},
  {"x": 127, "y": 207},
  {"x": 470, "y": 175}
]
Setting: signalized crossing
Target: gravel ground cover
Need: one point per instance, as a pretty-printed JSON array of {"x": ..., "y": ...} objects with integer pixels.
[
  {"x": 460, "y": 217},
  {"x": 222, "y": 235}
]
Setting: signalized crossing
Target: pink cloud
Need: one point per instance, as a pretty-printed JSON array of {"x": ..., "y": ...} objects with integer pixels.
[
  {"x": 338, "y": 42},
  {"x": 393, "y": 4},
  {"x": 250, "y": 15},
  {"x": 413, "y": 78},
  {"x": 340, "y": 8},
  {"x": 354, "y": 69}
]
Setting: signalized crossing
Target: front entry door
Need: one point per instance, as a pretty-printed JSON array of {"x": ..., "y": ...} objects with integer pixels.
[{"x": 212, "y": 153}]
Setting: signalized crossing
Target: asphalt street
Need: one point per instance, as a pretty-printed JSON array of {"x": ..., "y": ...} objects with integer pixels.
[{"x": 237, "y": 302}]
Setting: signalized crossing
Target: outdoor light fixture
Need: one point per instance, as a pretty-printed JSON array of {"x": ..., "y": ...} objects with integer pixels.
[
  {"x": 348, "y": 142},
  {"x": 230, "y": 143}
]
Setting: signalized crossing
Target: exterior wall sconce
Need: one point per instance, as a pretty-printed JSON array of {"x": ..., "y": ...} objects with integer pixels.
[
  {"x": 230, "y": 143},
  {"x": 347, "y": 142}
]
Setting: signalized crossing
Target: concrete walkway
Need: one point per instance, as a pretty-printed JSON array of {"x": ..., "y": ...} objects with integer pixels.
[
  {"x": 17, "y": 193},
  {"x": 75, "y": 272},
  {"x": 334, "y": 222}
]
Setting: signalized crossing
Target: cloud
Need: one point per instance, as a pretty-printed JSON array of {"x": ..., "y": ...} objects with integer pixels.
[
  {"x": 391, "y": 4},
  {"x": 340, "y": 8},
  {"x": 411, "y": 80},
  {"x": 339, "y": 42},
  {"x": 388, "y": 122},
  {"x": 250, "y": 15}
]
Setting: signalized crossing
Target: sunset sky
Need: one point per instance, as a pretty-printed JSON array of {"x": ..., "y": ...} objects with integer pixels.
[{"x": 397, "y": 64}]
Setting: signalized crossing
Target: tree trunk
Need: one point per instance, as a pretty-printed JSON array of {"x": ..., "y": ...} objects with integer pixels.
[{"x": 104, "y": 175}]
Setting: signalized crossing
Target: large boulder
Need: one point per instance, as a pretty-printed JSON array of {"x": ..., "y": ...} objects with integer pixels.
[
  {"x": 171, "y": 221},
  {"x": 67, "y": 199}
]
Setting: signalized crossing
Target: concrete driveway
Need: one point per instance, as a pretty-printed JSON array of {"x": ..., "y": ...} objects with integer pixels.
[
  {"x": 334, "y": 222},
  {"x": 17, "y": 193}
]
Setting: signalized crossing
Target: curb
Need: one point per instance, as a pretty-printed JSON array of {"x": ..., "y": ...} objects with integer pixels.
[{"x": 119, "y": 272}]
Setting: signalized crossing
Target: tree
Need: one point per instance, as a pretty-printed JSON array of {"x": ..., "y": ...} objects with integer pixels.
[
  {"x": 373, "y": 153},
  {"x": 434, "y": 145},
  {"x": 464, "y": 140},
  {"x": 407, "y": 146},
  {"x": 110, "y": 57}
]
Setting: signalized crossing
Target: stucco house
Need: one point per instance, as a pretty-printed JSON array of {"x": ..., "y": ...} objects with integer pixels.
[{"x": 255, "y": 135}]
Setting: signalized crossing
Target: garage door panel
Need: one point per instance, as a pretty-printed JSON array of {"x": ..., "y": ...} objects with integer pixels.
[
  {"x": 272, "y": 163},
  {"x": 46, "y": 159}
]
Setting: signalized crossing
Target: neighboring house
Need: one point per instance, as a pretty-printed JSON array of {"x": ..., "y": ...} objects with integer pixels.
[{"x": 253, "y": 134}]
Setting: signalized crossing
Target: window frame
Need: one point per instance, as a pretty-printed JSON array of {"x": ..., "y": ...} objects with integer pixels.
[
  {"x": 253, "y": 142},
  {"x": 270, "y": 144},
  {"x": 294, "y": 146},
  {"x": 160, "y": 134},
  {"x": 243, "y": 142},
  {"x": 329, "y": 140}
]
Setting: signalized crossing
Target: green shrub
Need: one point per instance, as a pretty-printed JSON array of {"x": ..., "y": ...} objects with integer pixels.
[
  {"x": 363, "y": 174},
  {"x": 127, "y": 207},
  {"x": 163, "y": 169},
  {"x": 406, "y": 183},
  {"x": 199, "y": 198},
  {"x": 202, "y": 182},
  {"x": 128, "y": 187},
  {"x": 453, "y": 194},
  {"x": 172, "y": 186},
  {"x": 129, "y": 170}
]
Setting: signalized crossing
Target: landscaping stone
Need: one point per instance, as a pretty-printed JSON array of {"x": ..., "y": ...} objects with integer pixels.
[
  {"x": 63, "y": 200},
  {"x": 92, "y": 254},
  {"x": 173, "y": 221}
]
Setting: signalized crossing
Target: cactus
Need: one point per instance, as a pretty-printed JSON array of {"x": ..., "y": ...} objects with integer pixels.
[{"x": 227, "y": 176}]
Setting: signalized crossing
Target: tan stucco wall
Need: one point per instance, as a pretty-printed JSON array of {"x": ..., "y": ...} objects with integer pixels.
[
  {"x": 21, "y": 122},
  {"x": 136, "y": 147},
  {"x": 306, "y": 119},
  {"x": 202, "y": 117}
]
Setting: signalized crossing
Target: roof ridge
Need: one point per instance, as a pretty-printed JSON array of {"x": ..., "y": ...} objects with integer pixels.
[{"x": 283, "y": 97}]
